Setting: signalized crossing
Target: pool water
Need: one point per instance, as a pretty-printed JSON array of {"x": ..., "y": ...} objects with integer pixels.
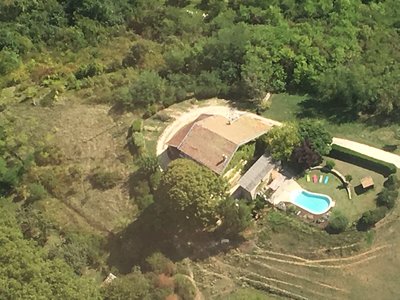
[{"x": 314, "y": 203}]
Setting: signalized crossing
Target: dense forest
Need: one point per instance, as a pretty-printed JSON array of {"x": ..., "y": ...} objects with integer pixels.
[
  {"x": 344, "y": 53},
  {"x": 144, "y": 55}
]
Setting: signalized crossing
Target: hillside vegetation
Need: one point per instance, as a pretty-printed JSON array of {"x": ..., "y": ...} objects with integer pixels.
[{"x": 78, "y": 187}]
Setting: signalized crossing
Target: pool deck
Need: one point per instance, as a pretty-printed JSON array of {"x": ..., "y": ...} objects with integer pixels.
[{"x": 284, "y": 192}]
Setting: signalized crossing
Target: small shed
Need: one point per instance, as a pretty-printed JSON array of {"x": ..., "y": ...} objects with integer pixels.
[{"x": 367, "y": 182}]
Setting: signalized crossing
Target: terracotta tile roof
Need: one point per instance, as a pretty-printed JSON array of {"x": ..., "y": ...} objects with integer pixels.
[
  {"x": 208, "y": 148},
  {"x": 367, "y": 182},
  {"x": 181, "y": 134},
  {"x": 209, "y": 138}
]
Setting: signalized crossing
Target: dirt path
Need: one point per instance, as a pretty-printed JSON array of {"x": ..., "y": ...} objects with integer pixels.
[
  {"x": 183, "y": 118},
  {"x": 223, "y": 108},
  {"x": 370, "y": 151}
]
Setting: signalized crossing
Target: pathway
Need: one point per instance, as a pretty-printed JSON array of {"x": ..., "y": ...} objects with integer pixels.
[
  {"x": 370, "y": 151},
  {"x": 225, "y": 110}
]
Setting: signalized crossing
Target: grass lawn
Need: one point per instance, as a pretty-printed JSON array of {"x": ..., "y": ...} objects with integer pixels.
[
  {"x": 286, "y": 107},
  {"x": 353, "y": 208}
]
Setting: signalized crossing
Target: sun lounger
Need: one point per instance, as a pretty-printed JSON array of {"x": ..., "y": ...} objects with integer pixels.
[
  {"x": 315, "y": 178},
  {"x": 308, "y": 177},
  {"x": 326, "y": 179},
  {"x": 320, "y": 178}
]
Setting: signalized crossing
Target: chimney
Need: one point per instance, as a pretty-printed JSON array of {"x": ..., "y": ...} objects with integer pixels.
[{"x": 224, "y": 157}]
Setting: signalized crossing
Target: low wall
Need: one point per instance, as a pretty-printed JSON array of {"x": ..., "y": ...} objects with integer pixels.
[{"x": 338, "y": 175}]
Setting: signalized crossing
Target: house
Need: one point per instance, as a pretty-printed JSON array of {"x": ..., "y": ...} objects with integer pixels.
[
  {"x": 212, "y": 140},
  {"x": 259, "y": 172}
]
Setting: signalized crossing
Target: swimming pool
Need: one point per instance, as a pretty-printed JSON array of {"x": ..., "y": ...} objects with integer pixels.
[{"x": 314, "y": 203}]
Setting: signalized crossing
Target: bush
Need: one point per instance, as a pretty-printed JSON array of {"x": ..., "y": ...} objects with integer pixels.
[
  {"x": 36, "y": 192},
  {"x": 362, "y": 160},
  {"x": 144, "y": 201},
  {"x": 184, "y": 287},
  {"x": 387, "y": 198},
  {"x": 236, "y": 216},
  {"x": 337, "y": 223},
  {"x": 330, "y": 164},
  {"x": 139, "y": 142},
  {"x": 160, "y": 264},
  {"x": 89, "y": 70},
  {"x": 105, "y": 180},
  {"x": 9, "y": 61},
  {"x": 371, "y": 217},
  {"x": 348, "y": 177},
  {"x": 392, "y": 183},
  {"x": 137, "y": 125}
]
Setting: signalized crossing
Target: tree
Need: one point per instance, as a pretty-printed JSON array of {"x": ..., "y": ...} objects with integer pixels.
[
  {"x": 330, "y": 164},
  {"x": 371, "y": 217},
  {"x": 281, "y": 140},
  {"x": 160, "y": 264},
  {"x": 235, "y": 215},
  {"x": 387, "y": 198},
  {"x": 191, "y": 193},
  {"x": 149, "y": 88},
  {"x": 392, "y": 182},
  {"x": 9, "y": 61},
  {"x": 26, "y": 272},
  {"x": 134, "y": 286},
  {"x": 209, "y": 85},
  {"x": 315, "y": 133},
  {"x": 304, "y": 156},
  {"x": 338, "y": 222},
  {"x": 184, "y": 287}
]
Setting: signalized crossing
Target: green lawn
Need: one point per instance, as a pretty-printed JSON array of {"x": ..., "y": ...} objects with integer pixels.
[
  {"x": 286, "y": 107},
  {"x": 353, "y": 208}
]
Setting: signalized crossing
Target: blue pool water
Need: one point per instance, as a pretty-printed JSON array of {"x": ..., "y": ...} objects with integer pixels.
[{"x": 314, "y": 203}]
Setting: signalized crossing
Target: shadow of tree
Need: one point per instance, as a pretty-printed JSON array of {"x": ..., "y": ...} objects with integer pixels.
[
  {"x": 313, "y": 108},
  {"x": 153, "y": 232}
]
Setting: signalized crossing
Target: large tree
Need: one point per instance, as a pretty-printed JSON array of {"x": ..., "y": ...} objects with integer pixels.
[
  {"x": 315, "y": 133},
  {"x": 281, "y": 140},
  {"x": 191, "y": 193},
  {"x": 304, "y": 156}
]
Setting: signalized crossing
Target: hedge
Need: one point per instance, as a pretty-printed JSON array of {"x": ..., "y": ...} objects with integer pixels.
[{"x": 361, "y": 160}]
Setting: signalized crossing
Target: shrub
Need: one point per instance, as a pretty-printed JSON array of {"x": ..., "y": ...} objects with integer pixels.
[
  {"x": 36, "y": 192},
  {"x": 148, "y": 164},
  {"x": 338, "y": 223},
  {"x": 184, "y": 287},
  {"x": 137, "y": 125},
  {"x": 144, "y": 201},
  {"x": 236, "y": 216},
  {"x": 371, "y": 217},
  {"x": 139, "y": 142},
  {"x": 330, "y": 164},
  {"x": 348, "y": 177},
  {"x": 9, "y": 61},
  {"x": 105, "y": 180},
  {"x": 392, "y": 183},
  {"x": 89, "y": 70},
  {"x": 387, "y": 198},
  {"x": 160, "y": 264},
  {"x": 362, "y": 160}
]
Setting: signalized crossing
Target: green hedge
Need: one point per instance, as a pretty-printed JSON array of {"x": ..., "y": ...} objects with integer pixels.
[{"x": 362, "y": 160}]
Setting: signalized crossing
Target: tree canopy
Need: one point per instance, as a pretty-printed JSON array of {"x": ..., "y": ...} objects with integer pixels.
[
  {"x": 191, "y": 193},
  {"x": 281, "y": 141},
  {"x": 26, "y": 271}
]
